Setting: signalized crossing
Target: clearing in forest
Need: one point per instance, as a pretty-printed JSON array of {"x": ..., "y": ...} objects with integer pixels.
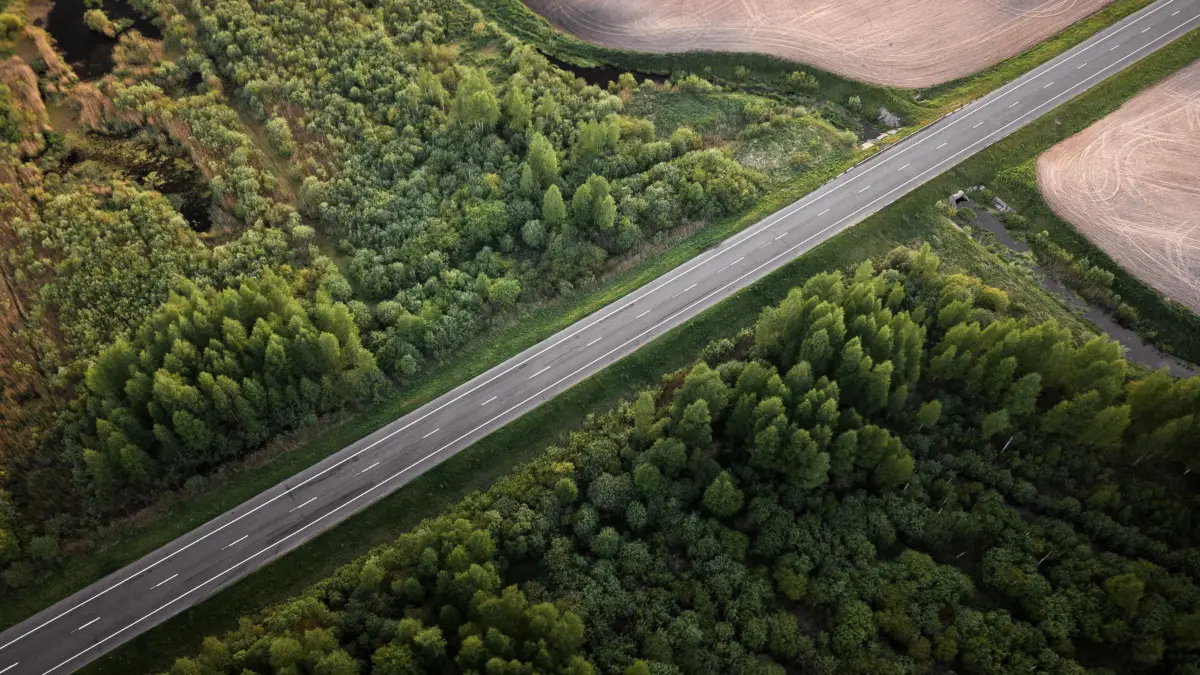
[
  {"x": 1129, "y": 183},
  {"x": 901, "y": 43}
]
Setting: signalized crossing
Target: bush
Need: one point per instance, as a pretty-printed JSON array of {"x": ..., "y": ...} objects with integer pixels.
[
  {"x": 803, "y": 82},
  {"x": 11, "y": 26},
  {"x": 1014, "y": 220}
]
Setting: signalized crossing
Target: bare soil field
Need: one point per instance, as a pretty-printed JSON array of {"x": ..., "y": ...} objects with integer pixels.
[
  {"x": 902, "y": 43},
  {"x": 1131, "y": 184}
]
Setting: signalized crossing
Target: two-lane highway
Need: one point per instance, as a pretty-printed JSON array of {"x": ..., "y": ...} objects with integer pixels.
[{"x": 100, "y": 617}]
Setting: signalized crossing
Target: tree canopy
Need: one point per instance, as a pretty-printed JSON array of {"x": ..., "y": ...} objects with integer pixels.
[{"x": 768, "y": 513}]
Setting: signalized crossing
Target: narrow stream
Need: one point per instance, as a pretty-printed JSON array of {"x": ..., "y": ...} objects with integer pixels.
[
  {"x": 601, "y": 75},
  {"x": 1136, "y": 349}
]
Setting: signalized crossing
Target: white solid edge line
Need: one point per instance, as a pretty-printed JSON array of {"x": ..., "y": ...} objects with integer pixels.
[
  {"x": 164, "y": 581},
  {"x": 297, "y": 508},
  {"x": 235, "y": 543},
  {"x": 439, "y": 428},
  {"x": 10, "y": 668},
  {"x": 86, "y": 625},
  {"x": 787, "y": 251},
  {"x": 368, "y": 468},
  {"x": 667, "y": 279}
]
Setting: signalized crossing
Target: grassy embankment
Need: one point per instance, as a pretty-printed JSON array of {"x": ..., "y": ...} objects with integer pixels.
[
  {"x": 1008, "y": 168},
  {"x": 911, "y": 220},
  {"x": 767, "y": 74}
]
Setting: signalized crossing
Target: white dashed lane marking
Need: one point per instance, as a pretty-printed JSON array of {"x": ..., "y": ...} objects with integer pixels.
[
  {"x": 368, "y": 468},
  {"x": 297, "y": 508},
  {"x": 439, "y": 428},
  {"x": 163, "y": 581},
  {"x": 86, "y": 625},
  {"x": 538, "y": 373},
  {"x": 244, "y": 538},
  {"x": 593, "y": 342},
  {"x": 488, "y": 401},
  {"x": 682, "y": 292}
]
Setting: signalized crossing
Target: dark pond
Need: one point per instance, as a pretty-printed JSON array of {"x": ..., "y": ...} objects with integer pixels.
[
  {"x": 89, "y": 52},
  {"x": 601, "y": 75}
]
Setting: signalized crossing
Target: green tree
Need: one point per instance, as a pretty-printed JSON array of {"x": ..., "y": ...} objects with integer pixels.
[
  {"x": 542, "y": 160},
  {"x": 695, "y": 425},
  {"x": 518, "y": 109},
  {"x": 474, "y": 101},
  {"x": 554, "y": 211},
  {"x": 929, "y": 413},
  {"x": 722, "y": 498},
  {"x": 1126, "y": 590},
  {"x": 279, "y": 134}
]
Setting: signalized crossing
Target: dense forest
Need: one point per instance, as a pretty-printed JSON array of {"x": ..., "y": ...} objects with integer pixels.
[
  {"x": 265, "y": 212},
  {"x": 888, "y": 474}
]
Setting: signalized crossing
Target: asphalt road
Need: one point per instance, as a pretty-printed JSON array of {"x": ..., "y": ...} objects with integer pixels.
[{"x": 186, "y": 571}]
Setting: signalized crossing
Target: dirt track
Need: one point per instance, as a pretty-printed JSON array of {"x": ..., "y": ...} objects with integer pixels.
[
  {"x": 1131, "y": 184},
  {"x": 903, "y": 43}
]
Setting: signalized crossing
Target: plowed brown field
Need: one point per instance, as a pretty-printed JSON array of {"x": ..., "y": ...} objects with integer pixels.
[
  {"x": 1131, "y": 184},
  {"x": 903, "y": 43}
]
